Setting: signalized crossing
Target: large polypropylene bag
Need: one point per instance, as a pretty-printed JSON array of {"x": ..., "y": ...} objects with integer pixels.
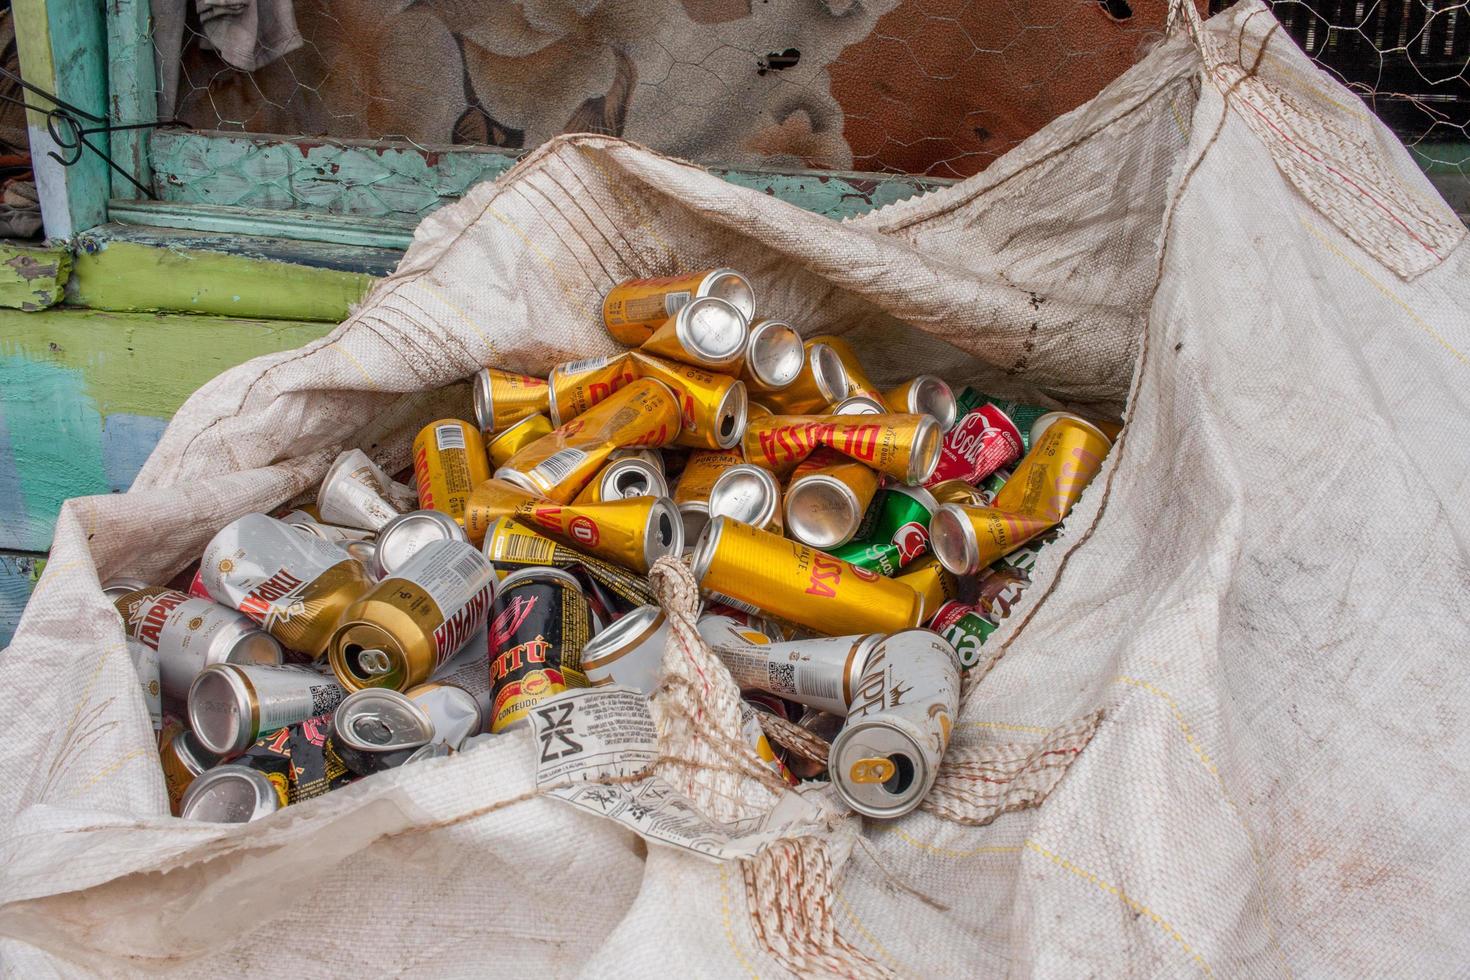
[{"x": 1225, "y": 732}]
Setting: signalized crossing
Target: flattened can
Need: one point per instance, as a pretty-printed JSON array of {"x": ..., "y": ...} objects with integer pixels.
[
  {"x": 503, "y": 398},
  {"x": 821, "y": 381},
  {"x": 630, "y": 652},
  {"x": 414, "y": 620},
  {"x": 516, "y": 437},
  {"x": 188, "y": 634},
  {"x": 774, "y": 356},
  {"x": 827, "y": 498},
  {"x": 692, "y": 492},
  {"x": 378, "y": 728},
  {"x": 884, "y": 761},
  {"x": 635, "y": 308},
  {"x": 904, "y": 447},
  {"x": 628, "y": 476},
  {"x": 965, "y": 628},
  {"x": 965, "y": 539},
  {"x": 925, "y": 395},
  {"x": 712, "y": 406},
  {"x": 895, "y": 530},
  {"x": 858, "y": 382},
  {"x": 578, "y": 385},
  {"x": 558, "y": 466},
  {"x": 458, "y": 702},
  {"x": 706, "y": 332},
  {"x": 1060, "y": 465},
  {"x": 356, "y": 492},
  {"x": 231, "y": 705},
  {"x": 820, "y": 672},
  {"x": 536, "y": 640},
  {"x": 183, "y": 760},
  {"x": 294, "y": 585},
  {"x": 408, "y": 534},
  {"x": 749, "y": 494},
  {"x": 449, "y": 461},
  {"x": 754, "y": 569}
]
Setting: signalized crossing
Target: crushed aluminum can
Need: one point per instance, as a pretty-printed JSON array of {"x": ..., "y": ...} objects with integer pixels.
[
  {"x": 858, "y": 382},
  {"x": 183, "y": 760},
  {"x": 627, "y": 476},
  {"x": 905, "y": 448},
  {"x": 336, "y": 534},
  {"x": 377, "y": 728},
  {"x": 712, "y": 406},
  {"x": 357, "y": 493},
  {"x": 981, "y": 442},
  {"x": 578, "y": 385},
  {"x": 503, "y": 398},
  {"x": 965, "y": 539},
  {"x": 511, "y": 546},
  {"x": 515, "y": 438},
  {"x": 821, "y": 381},
  {"x": 231, "y": 794},
  {"x": 965, "y": 628},
  {"x": 692, "y": 492},
  {"x": 707, "y": 332},
  {"x": 821, "y": 672},
  {"x": 1041, "y": 423},
  {"x": 935, "y": 584},
  {"x": 459, "y": 701},
  {"x": 895, "y": 530},
  {"x": 1051, "y": 477}
]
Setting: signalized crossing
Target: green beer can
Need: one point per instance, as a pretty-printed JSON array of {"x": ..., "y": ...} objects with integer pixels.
[{"x": 894, "y": 532}]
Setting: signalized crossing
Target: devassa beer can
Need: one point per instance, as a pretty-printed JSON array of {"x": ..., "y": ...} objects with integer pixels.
[
  {"x": 980, "y": 443},
  {"x": 535, "y": 640},
  {"x": 294, "y": 585},
  {"x": 408, "y": 534},
  {"x": 856, "y": 405},
  {"x": 503, "y": 398},
  {"x": 904, "y": 447},
  {"x": 230, "y": 705},
  {"x": 827, "y": 498},
  {"x": 821, "y": 672},
  {"x": 415, "y": 619},
  {"x": 774, "y": 356},
  {"x": 858, "y": 382},
  {"x": 188, "y": 634},
  {"x": 356, "y": 492},
  {"x": 183, "y": 760},
  {"x": 634, "y": 308},
  {"x": 749, "y": 494},
  {"x": 378, "y": 728},
  {"x": 512, "y": 546},
  {"x": 515, "y": 438},
  {"x": 627, "y": 476},
  {"x": 558, "y": 466},
  {"x": 965, "y": 628},
  {"x": 965, "y": 539},
  {"x": 633, "y": 532},
  {"x": 706, "y": 332},
  {"x": 886, "y": 758},
  {"x": 691, "y": 494},
  {"x": 578, "y": 385},
  {"x": 449, "y": 461},
  {"x": 712, "y": 406},
  {"x": 1060, "y": 465},
  {"x": 754, "y": 569},
  {"x": 935, "y": 583},
  {"x": 895, "y": 530},
  {"x": 925, "y": 395},
  {"x": 1041, "y": 423},
  {"x": 630, "y": 652},
  {"x": 232, "y": 794},
  {"x": 821, "y": 381}
]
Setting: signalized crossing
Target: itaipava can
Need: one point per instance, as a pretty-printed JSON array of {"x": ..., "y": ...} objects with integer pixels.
[{"x": 188, "y": 634}]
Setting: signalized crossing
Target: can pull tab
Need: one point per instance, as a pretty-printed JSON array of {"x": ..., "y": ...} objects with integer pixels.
[
  {"x": 374, "y": 662},
  {"x": 877, "y": 770}
]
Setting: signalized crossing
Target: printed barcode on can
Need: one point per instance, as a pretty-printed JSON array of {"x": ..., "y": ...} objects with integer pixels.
[
  {"x": 586, "y": 364},
  {"x": 817, "y": 684},
  {"x": 735, "y": 603},
  {"x": 469, "y": 566},
  {"x": 525, "y": 549},
  {"x": 674, "y": 302},
  {"x": 449, "y": 436},
  {"x": 559, "y": 465}
]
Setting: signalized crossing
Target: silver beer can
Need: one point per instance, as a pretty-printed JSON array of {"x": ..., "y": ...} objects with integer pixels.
[
  {"x": 821, "y": 672},
  {"x": 406, "y": 535},
  {"x": 145, "y": 663},
  {"x": 231, "y": 704},
  {"x": 190, "y": 633},
  {"x": 120, "y": 585},
  {"x": 378, "y": 728},
  {"x": 357, "y": 493},
  {"x": 230, "y": 794},
  {"x": 629, "y": 652}
]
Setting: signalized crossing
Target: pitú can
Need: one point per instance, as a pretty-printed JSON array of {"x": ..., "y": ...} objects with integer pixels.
[
  {"x": 578, "y": 385},
  {"x": 337, "y": 534},
  {"x": 1043, "y": 422},
  {"x": 294, "y": 585},
  {"x": 512, "y": 546},
  {"x": 827, "y": 498},
  {"x": 895, "y": 530},
  {"x": 408, "y": 534},
  {"x": 414, "y": 620},
  {"x": 515, "y": 438},
  {"x": 935, "y": 583},
  {"x": 858, "y": 382},
  {"x": 183, "y": 759},
  {"x": 821, "y": 672},
  {"x": 232, "y": 794},
  {"x": 822, "y": 381},
  {"x": 925, "y": 395},
  {"x": 965, "y": 539},
  {"x": 965, "y": 628},
  {"x": 904, "y": 447},
  {"x": 536, "y": 641},
  {"x": 634, "y": 308},
  {"x": 1054, "y": 473},
  {"x": 750, "y": 568},
  {"x": 1000, "y": 590},
  {"x": 712, "y": 406},
  {"x": 119, "y": 586},
  {"x": 503, "y": 398},
  {"x": 378, "y": 728},
  {"x": 458, "y": 702},
  {"x": 145, "y": 665},
  {"x": 706, "y": 332},
  {"x": 630, "y": 652},
  {"x": 887, "y": 756},
  {"x": 980, "y": 443},
  {"x": 629, "y": 476},
  {"x": 189, "y": 634},
  {"x": 357, "y": 493},
  {"x": 634, "y": 532},
  {"x": 230, "y": 705},
  {"x": 691, "y": 494},
  {"x": 748, "y": 494},
  {"x": 558, "y": 466},
  {"x": 856, "y": 405},
  {"x": 774, "y": 356},
  {"x": 448, "y": 462}
]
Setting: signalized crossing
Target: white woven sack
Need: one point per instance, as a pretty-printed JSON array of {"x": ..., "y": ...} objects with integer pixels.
[{"x": 1225, "y": 734}]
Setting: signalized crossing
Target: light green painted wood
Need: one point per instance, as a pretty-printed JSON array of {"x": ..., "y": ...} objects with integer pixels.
[
  {"x": 337, "y": 229},
  {"x": 63, "y": 50},
  {"x": 32, "y": 277},
  {"x": 132, "y": 89}
]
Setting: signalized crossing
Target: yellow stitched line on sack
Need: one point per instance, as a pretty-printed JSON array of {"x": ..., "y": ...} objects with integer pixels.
[
  {"x": 1173, "y": 705},
  {"x": 902, "y": 969},
  {"x": 945, "y": 851},
  {"x": 546, "y": 260},
  {"x": 729, "y": 925},
  {"x": 469, "y": 321},
  {"x": 110, "y": 770},
  {"x": 1005, "y": 727},
  {"x": 1126, "y": 899},
  {"x": 1388, "y": 293},
  {"x": 355, "y": 362},
  {"x": 1179, "y": 118}
]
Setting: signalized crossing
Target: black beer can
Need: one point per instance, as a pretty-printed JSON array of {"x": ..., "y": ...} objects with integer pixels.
[{"x": 536, "y": 635}]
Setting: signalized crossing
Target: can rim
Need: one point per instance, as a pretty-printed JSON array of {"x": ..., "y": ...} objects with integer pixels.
[
  {"x": 266, "y": 801},
  {"x": 951, "y": 523},
  {"x": 413, "y": 519},
  {"x": 244, "y": 697},
  {"x": 707, "y": 357},
  {"x": 928, "y": 443},
  {"x": 903, "y": 802},
  {"x": 828, "y": 371},
  {"x": 925, "y": 389},
  {"x": 824, "y": 482},
  {"x": 484, "y": 399},
  {"x": 758, "y": 331},
  {"x": 1039, "y": 427},
  {"x": 351, "y": 706},
  {"x": 736, "y": 393},
  {"x": 768, "y": 483},
  {"x": 842, "y": 407},
  {"x": 657, "y": 485},
  {"x": 533, "y": 572},
  {"x": 653, "y": 549},
  {"x": 707, "y": 285},
  {"x": 643, "y": 621}
]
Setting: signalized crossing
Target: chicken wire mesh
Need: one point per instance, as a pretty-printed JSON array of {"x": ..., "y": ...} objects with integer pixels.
[{"x": 928, "y": 87}]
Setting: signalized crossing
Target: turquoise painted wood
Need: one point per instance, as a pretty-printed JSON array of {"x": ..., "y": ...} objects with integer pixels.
[{"x": 132, "y": 89}]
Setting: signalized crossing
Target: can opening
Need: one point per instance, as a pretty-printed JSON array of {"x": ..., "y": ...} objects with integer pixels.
[
  {"x": 727, "y": 426},
  {"x": 372, "y": 730},
  {"x": 366, "y": 662},
  {"x": 631, "y": 483},
  {"x": 903, "y": 774},
  {"x": 665, "y": 530}
]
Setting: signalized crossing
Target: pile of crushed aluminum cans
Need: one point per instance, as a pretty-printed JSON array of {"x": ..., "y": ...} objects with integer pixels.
[{"x": 854, "y": 547}]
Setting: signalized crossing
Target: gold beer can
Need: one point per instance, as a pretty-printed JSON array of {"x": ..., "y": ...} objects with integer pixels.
[
  {"x": 827, "y": 498},
  {"x": 858, "y": 382},
  {"x": 712, "y": 406},
  {"x": 924, "y": 395},
  {"x": 935, "y": 583},
  {"x": 904, "y": 447},
  {"x": 966, "y": 539},
  {"x": 578, "y": 385},
  {"x": 635, "y": 308},
  {"x": 558, "y": 466},
  {"x": 821, "y": 381},
  {"x": 691, "y": 494},
  {"x": 449, "y": 461},
  {"x": 503, "y": 398},
  {"x": 749, "y": 494},
  {"x": 623, "y": 477},
  {"x": 749, "y": 568},
  {"x": 706, "y": 332},
  {"x": 1052, "y": 475},
  {"x": 774, "y": 356},
  {"x": 517, "y": 437}
]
